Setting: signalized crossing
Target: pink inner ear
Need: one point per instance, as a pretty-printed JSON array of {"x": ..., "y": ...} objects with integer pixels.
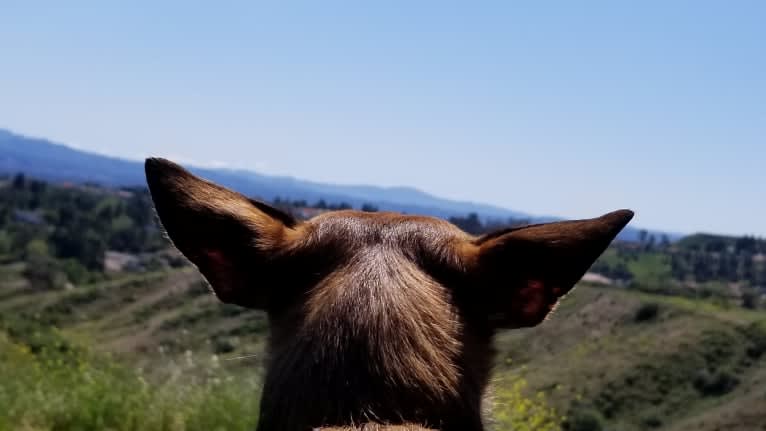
[
  {"x": 215, "y": 266},
  {"x": 215, "y": 257},
  {"x": 532, "y": 296},
  {"x": 218, "y": 264},
  {"x": 538, "y": 300}
]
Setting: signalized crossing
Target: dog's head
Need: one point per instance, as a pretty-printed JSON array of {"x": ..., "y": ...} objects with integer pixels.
[{"x": 400, "y": 296}]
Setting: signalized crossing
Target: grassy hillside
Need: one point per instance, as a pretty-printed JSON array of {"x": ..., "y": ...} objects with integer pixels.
[
  {"x": 158, "y": 345},
  {"x": 640, "y": 361},
  {"x": 101, "y": 327},
  {"x": 50, "y": 383},
  {"x": 154, "y": 351}
]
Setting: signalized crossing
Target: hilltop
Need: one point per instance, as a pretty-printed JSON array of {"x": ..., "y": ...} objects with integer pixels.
[{"x": 51, "y": 161}]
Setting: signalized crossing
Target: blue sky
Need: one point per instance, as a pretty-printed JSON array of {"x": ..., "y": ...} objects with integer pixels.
[{"x": 557, "y": 108}]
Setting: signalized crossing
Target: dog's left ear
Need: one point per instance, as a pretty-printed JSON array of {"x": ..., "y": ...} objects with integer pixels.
[
  {"x": 520, "y": 274},
  {"x": 233, "y": 240}
]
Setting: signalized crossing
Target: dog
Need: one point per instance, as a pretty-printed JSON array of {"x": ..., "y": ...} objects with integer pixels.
[{"x": 379, "y": 321}]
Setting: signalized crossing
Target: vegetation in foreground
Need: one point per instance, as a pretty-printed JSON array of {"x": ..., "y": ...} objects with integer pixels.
[
  {"x": 626, "y": 360},
  {"x": 676, "y": 340},
  {"x": 158, "y": 352},
  {"x": 49, "y": 383}
]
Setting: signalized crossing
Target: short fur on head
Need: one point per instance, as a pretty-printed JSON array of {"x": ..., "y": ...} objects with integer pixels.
[{"x": 379, "y": 321}]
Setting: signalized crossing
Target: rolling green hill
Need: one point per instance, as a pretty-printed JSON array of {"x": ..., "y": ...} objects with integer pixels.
[
  {"x": 609, "y": 356},
  {"x": 103, "y": 327}
]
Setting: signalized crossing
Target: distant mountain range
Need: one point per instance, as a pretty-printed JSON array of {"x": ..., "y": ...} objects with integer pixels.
[{"x": 52, "y": 161}]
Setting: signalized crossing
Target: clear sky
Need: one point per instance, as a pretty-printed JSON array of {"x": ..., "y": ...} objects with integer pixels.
[{"x": 554, "y": 108}]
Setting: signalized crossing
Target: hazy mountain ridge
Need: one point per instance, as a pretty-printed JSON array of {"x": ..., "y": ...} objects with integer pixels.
[{"x": 57, "y": 162}]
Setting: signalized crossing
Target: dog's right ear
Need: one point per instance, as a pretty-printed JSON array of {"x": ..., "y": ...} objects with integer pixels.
[
  {"x": 522, "y": 273},
  {"x": 231, "y": 239}
]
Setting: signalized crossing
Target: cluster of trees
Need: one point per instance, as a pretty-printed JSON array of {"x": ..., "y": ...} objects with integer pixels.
[
  {"x": 63, "y": 231},
  {"x": 470, "y": 223},
  {"x": 729, "y": 266},
  {"x": 730, "y": 269},
  {"x": 701, "y": 258},
  {"x": 72, "y": 226},
  {"x": 474, "y": 225},
  {"x": 290, "y": 205},
  {"x": 709, "y": 257},
  {"x": 704, "y": 257}
]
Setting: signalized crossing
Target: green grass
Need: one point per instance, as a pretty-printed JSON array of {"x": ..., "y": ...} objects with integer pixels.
[
  {"x": 50, "y": 384},
  {"x": 651, "y": 269},
  {"x": 611, "y": 357},
  {"x": 639, "y": 361}
]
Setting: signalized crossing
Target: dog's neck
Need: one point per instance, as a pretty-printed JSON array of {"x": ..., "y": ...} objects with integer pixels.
[{"x": 375, "y": 346}]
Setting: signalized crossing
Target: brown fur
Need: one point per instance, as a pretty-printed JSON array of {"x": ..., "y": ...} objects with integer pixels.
[
  {"x": 380, "y": 321},
  {"x": 377, "y": 427}
]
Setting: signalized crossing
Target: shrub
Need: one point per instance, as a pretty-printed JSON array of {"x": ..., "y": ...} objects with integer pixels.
[
  {"x": 652, "y": 422},
  {"x": 756, "y": 333},
  {"x": 751, "y": 299},
  {"x": 647, "y": 312},
  {"x": 513, "y": 410},
  {"x": 71, "y": 389},
  {"x": 715, "y": 384},
  {"x": 584, "y": 420},
  {"x": 223, "y": 345}
]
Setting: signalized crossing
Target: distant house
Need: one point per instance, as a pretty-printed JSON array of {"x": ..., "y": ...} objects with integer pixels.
[
  {"x": 595, "y": 278},
  {"x": 28, "y": 217},
  {"x": 115, "y": 261}
]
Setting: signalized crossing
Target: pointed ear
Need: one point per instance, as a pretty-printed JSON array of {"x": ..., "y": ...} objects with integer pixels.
[
  {"x": 230, "y": 238},
  {"x": 523, "y": 272}
]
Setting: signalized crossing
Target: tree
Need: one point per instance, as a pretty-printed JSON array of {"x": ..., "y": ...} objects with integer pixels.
[
  {"x": 750, "y": 299},
  {"x": 516, "y": 410},
  {"x": 746, "y": 244},
  {"x": 36, "y": 248},
  {"x": 19, "y": 182},
  {"x": 340, "y": 206},
  {"x": 470, "y": 224},
  {"x": 5, "y": 242},
  {"x": 651, "y": 242},
  {"x": 664, "y": 241},
  {"x": 745, "y": 269},
  {"x": 642, "y": 234}
]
